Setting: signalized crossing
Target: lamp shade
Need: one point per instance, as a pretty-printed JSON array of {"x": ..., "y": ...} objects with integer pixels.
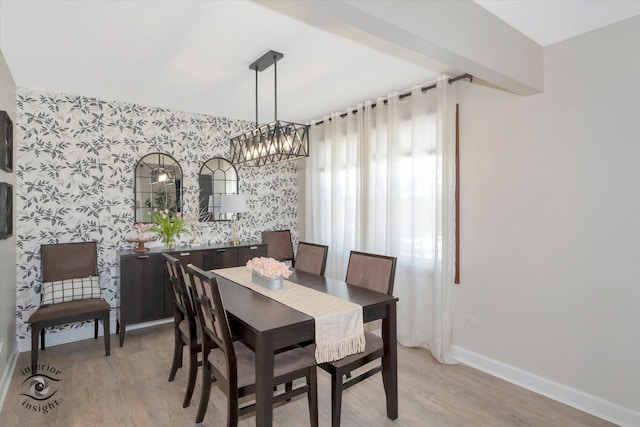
[{"x": 233, "y": 203}]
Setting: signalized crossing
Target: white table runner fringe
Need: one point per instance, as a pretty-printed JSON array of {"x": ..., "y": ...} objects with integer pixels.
[{"x": 328, "y": 351}]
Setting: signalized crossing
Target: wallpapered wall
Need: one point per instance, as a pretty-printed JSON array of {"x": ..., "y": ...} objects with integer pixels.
[{"x": 75, "y": 164}]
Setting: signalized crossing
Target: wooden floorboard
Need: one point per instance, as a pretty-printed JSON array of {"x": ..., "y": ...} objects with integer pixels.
[{"x": 130, "y": 388}]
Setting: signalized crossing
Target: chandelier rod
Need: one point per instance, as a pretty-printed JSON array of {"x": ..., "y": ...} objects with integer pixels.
[
  {"x": 261, "y": 64},
  {"x": 275, "y": 88},
  {"x": 256, "y": 97}
]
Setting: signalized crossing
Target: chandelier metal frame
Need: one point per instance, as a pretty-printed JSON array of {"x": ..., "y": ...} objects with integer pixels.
[{"x": 275, "y": 142}]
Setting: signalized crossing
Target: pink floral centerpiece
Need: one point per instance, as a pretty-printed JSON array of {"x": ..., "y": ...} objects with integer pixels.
[{"x": 268, "y": 272}]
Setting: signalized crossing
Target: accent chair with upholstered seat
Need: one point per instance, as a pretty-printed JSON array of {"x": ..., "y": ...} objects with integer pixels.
[{"x": 70, "y": 292}]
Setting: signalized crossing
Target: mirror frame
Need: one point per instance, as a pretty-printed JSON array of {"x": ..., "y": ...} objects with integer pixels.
[
  {"x": 207, "y": 199},
  {"x": 161, "y": 162}
]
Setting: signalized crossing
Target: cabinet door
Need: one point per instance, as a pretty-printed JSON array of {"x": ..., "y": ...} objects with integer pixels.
[
  {"x": 142, "y": 288},
  {"x": 189, "y": 257},
  {"x": 245, "y": 253},
  {"x": 220, "y": 258}
]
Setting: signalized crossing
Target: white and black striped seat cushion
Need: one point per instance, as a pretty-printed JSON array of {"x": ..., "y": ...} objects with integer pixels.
[{"x": 70, "y": 290}]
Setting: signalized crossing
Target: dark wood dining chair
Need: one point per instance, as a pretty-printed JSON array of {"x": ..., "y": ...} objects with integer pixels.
[
  {"x": 311, "y": 258},
  {"x": 70, "y": 292},
  {"x": 377, "y": 273},
  {"x": 279, "y": 245},
  {"x": 232, "y": 364},
  {"x": 185, "y": 326}
]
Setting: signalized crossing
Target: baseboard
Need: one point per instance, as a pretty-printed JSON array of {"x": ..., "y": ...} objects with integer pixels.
[
  {"x": 585, "y": 402},
  {"x": 149, "y": 324},
  {"x": 5, "y": 380},
  {"x": 84, "y": 333}
]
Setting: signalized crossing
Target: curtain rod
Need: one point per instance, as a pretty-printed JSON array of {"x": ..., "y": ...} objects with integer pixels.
[{"x": 404, "y": 95}]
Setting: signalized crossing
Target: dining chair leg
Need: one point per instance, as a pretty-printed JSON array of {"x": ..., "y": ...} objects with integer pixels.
[
  {"x": 204, "y": 393},
  {"x": 193, "y": 370},
  {"x": 336, "y": 398},
  {"x": 177, "y": 356},
  {"x": 232, "y": 408},
  {"x": 287, "y": 388},
  {"x": 35, "y": 332},
  {"x": 95, "y": 329},
  {"x": 42, "y": 338},
  {"x": 106, "y": 326},
  {"x": 312, "y": 395}
]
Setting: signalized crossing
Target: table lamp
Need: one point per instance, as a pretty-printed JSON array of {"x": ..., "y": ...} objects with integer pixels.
[{"x": 233, "y": 204}]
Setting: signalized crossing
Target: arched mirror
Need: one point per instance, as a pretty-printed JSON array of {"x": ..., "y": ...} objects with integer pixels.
[
  {"x": 158, "y": 184},
  {"x": 217, "y": 177}
]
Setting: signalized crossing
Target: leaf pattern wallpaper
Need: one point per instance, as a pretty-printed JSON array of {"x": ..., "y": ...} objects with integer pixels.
[{"x": 75, "y": 180}]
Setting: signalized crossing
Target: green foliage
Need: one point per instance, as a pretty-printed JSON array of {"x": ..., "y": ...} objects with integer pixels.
[{"x": 168, "y": 226}]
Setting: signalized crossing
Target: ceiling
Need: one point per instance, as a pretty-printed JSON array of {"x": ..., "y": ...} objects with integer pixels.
[
  {"x": 551, "y": 21},
  {"x": 194, "y": 55}
]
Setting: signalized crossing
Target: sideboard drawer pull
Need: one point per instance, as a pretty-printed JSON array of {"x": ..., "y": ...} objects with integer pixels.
[
  {"x": 185, "y": 253},
  {"x": 253, "y": 247},
  {"x": 222, "y": 250},
  {"x": 143, "y": 256}
]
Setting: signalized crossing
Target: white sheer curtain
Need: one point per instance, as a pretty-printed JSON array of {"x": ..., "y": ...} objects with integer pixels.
[
  {"x": 382, "y": 180},
  {"x": 332, "y": 188}
]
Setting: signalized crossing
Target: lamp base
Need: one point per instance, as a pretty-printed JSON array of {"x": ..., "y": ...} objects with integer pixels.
[{"x": 234, "y": 242}]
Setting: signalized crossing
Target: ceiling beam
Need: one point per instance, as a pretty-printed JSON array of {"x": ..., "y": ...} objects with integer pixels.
[{"x": 445, "y": 36}]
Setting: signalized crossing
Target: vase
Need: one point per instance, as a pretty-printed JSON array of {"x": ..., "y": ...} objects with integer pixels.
[
  {"x": 267, "y": 282},
  {"x": 169, "y": 242}
]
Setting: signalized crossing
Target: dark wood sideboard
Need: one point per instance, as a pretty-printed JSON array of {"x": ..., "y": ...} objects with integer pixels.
[{"x": 142, "y": 288}]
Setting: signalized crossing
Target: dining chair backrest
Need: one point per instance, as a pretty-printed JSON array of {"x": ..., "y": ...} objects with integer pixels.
[
  {"x": 180, "y": 292},
  {"x": 311, "y": 258},
  {"x": 213, "y": 319},
  {"x": 279, "y": 244},
  {"x": 371, "y": 271}
]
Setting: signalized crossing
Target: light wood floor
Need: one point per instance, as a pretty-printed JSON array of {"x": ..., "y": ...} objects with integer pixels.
[{"x": 130, "y": 388}]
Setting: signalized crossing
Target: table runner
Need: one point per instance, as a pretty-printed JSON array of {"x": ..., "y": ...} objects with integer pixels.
[{"x": 339, "y": 325}]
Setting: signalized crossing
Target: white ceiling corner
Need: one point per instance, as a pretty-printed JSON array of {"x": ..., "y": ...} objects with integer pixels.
[{"x": 550, "y": 21}]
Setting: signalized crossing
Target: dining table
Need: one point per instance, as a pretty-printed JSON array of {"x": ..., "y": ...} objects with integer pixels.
[{"x": 268, "y": 326}]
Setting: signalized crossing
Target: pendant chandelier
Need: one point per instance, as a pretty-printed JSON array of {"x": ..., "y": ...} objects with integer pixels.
[
  {"x": 278, "y": 141},
  {"x": 162, "y": 175}
]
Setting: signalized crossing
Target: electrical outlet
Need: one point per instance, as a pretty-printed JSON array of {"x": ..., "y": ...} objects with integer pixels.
[{"x": 471, "y": 322}]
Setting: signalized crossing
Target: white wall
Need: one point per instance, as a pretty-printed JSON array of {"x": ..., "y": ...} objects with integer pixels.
[
  {"x": 550, "y": 219},
  {"x": 7, "y": 246}
]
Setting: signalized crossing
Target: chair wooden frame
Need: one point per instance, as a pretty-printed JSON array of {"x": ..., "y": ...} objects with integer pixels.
[
  {"x": 183, "y": 311},
  {"x": 374, "y": 348},
  {"x": 216, "y": 335},
  {"x": 311, "y": 266},
  {"x": 61, "y": 262}
]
